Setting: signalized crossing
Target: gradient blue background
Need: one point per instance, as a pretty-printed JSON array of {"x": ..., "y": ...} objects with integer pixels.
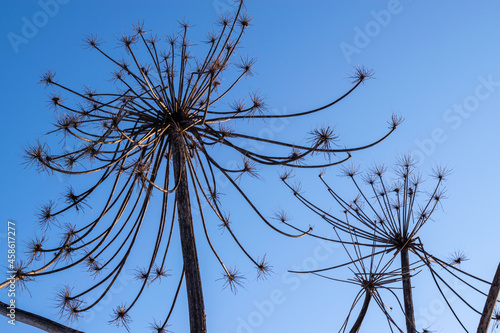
[{"x": 428, "y": 57}]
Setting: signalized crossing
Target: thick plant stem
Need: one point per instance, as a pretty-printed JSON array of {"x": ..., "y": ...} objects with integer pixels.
[
  {"x": 357, "y": 325},
  {"x": 407, "y": 293},
  {"x": 196, "y": 305},
  {"x": 34, "y": 320},
  {"x": 489, "y": 306}
]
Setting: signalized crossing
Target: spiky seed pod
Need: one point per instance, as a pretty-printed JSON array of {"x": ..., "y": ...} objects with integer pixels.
[
  {"x": 48, "y": 78},
  {"x": 55, "y": 101},
  {"x": 158, "y": 273},
  {"x": 287, "y": 173},
  {"x": 258, "y": 104},
  {"x": 244, "y": 20},
  {"x": 323, "y": 138},
  {"x": 141, "y": 274},
  {"x": 457, "y": 257},
  {"x": 282, "y": 216},
  {"x": 64, "y": 301},
  {"x": 224, "y": 19},
  {"x": 396, "y": 120},
  {"x": 264, "y": 269},
  {"x": 46, "y": 215},
  {"x": 406, "y": 161},
  {"x": 35, "y": 248},
  {"x": 379, "y": 170},
  {"x": 21, "y": 275},
  {"x": 225, "y": 222},
  {"x": 350, "y": 170},
  {"x": 440, "y": 172},
  {"x": 121, "y": 318},
  {"x": 370, "y": 178},
  {"x": 159, "y": 328},
  {"x": 246, "y": 65},
  {"x": 139, "y": 28},
  {"x": 237, "y": 106},
  {"x": 361, "y": 74},
  {"x": 72, "y": 199},
  {"x": 211, "y": 37},
  {"x": 92, "y": 41},
  {"x": 127, "y": 41},
  {"x": 232, "y": 279}
]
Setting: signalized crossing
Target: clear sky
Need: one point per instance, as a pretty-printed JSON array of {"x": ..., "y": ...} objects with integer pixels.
[{"x": 435, "y": 63}]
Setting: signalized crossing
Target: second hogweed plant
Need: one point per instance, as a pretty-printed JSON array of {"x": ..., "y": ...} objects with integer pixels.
[
  {"x": 382, "y": 223},
  {"x": 155, "y": 135}
]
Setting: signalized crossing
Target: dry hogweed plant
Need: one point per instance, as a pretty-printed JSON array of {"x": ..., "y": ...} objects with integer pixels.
[
  {"x": 386, "y": 216},
  {"x": 156, "y": 134}
]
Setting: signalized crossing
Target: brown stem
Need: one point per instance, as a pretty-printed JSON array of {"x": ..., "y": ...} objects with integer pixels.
[
  {"x": 357, "y": 325},
  {"x": 407, "y": 293},
  {"x": 197, "y": 318},
  {"x": 489, "y": 306},
  {"x": 34, "y": 320}
]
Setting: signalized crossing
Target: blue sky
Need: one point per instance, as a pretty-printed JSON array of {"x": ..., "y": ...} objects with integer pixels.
[{"x": 435, "y": 63}]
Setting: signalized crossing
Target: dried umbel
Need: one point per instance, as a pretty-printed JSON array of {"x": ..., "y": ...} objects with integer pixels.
[
  {"x": 383, "y": 221},
  {"x": 154, "y": 135}
]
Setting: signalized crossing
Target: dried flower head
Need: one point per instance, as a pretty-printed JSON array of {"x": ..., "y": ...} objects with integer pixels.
[
  {"x": 350, "y": 170},
  {"x": 74, "y": 200},
  {"x": 246, "y": 65},
  {"x": 324, "y": 138},
  {"x": 225, "y": 222},
  {"x": 396, "y": 120},
  {"x": 92, "y": 41},
  {"x": 47, "y": 215},
  {"x": 361, "y": 73},
  {"x": 159, "y": 328},
  {"x": 440, "y": 172},
  {"x": 48, "y": 78},
  {"x": 142, "y": 274},
  {"x": 21, "y": 274},
  {"x": 158, "y": 273},
  {"x": 285, "y": 174},
  {"x": 263, "y": 268},
  {"x": 282, "y": 216},
  {"x": 232, "y": 279},
  {"x": 35, "y": 248},
  {"x": 121, "y": 318},
  {"x": 457, "y": 257}
]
